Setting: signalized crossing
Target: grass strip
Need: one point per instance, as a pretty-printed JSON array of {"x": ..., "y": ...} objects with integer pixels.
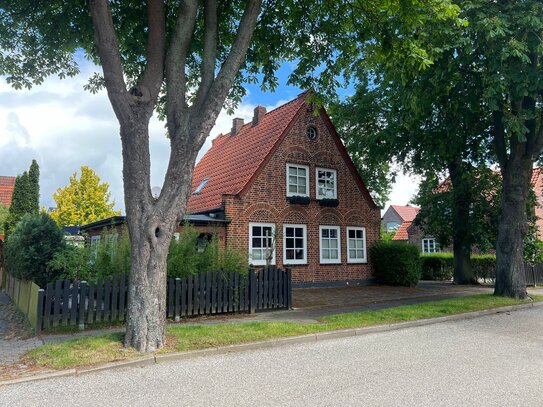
[{"x": 88, "y": 351}]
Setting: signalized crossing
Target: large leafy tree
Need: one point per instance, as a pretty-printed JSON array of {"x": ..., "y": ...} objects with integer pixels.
[
  {"x": 482, "y": 95},
  {"x": 84, "y": 200},
  {"x": 187, "y": 59},
  {"x": 25, "y": 197}
]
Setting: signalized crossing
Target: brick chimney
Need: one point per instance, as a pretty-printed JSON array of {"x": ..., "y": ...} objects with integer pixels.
[
  {"x": 237, "y": 124},
  {"x": 259, "y": 113}
]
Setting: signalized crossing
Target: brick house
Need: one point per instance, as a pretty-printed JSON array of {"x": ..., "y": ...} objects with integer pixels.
[
  {"x": 7, "y": 184},
  {"x": 290, "y": 195},
  {"x": 396, "y": 215}
]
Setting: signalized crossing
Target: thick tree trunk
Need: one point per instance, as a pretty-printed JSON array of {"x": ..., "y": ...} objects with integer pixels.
[
  {"x": 151, "y": 224},
  {"x": 463, "y": 273},
  {"x": 510, "y": 280}
]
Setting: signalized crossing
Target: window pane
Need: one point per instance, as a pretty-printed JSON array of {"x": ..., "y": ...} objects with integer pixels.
[
  {"x": 299, "y": 232},
  {"x": 256, "y": 254},
  {"x": 257, "y": 242},
  {"x": 333, "y": 233},
  {"x": 290, "y": 254},
  {"x": 299, "y": 254},
  {"x": 289, "y": 232},
  {"x": 301, "y": 172},
  {"x": 334, "y": 253},
  {"x": 352, "y": 254},
  {"x": 325, "y": 244},
  {"x": 333, "y": 244},
  {"x": 300, "y": 243},
  {"x": 256, "y": 230},
  {"x": 302, "y": 190},
  {"x": 292, "y": 171},
  {"x": 352, "y": 234},
  {"x": 359, "y": 244}
]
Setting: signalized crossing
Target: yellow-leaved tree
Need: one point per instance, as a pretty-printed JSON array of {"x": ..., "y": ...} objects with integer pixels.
[{"x": 83, "y": 201}]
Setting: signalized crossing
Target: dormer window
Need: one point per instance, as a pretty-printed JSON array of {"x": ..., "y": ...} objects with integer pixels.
[
  {"x": 199, "y": 189},
  {"x": 326, "y": 183}
]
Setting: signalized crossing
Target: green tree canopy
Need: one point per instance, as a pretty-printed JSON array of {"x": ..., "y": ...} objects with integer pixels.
[{"x": 83, "y": 201}]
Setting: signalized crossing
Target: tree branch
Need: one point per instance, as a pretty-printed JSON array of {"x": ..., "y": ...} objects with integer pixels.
[
  {"x": 106, "y": 42},
  {"x": 154, "y": 69},
  {"x": 499, "y": 138},
  {"x": 175, "y": 64},
  {"x": 209, "y": 56},
  {"x": 230, "y": 68}
]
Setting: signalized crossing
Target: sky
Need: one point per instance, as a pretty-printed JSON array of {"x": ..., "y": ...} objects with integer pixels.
[{"x": 65, "y": 127}]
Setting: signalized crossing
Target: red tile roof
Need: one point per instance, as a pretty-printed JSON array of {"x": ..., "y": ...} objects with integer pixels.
[
  {"x": 232, "y": 160},
  {"x": 401, "y": 233},
  {"x": 407, "y": 213},
  {"x": 6, "y": 189}
]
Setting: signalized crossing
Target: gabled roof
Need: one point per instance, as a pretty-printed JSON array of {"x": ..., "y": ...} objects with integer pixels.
[
  {"x": 407, "y": 213},
  {"x": 233, "y": 162},
  {"x": 401, "y": 233},
  {"x": 6, "y": 189}
]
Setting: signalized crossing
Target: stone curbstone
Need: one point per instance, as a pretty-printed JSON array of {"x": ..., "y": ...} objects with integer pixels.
[
  {"x": 35, "y": 378},
  {"x": 145, "y": 361}
]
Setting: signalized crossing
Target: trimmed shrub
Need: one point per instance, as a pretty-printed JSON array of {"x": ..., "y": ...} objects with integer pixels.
[
  {"x": 484, "y": 266},
  {"x": 31, "y": 246},
  {"x": 396, "y": 263},
  {"x": 437, "y": 266}
]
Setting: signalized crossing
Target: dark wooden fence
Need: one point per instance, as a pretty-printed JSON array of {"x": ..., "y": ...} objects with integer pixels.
[
  {"x": 533, "y": 274},
  {"x": 64, "y": 302}
]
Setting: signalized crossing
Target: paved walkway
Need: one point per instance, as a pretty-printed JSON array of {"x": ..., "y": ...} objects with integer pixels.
[{"x": 15, "y": 336}]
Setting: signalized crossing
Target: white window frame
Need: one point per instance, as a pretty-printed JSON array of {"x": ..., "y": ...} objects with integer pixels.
[
  {"x": 261, "y": 262},
  {"x": 431, "y": 243},
  {"x": 297, "y": 166},
  {"x": 338, "y": 231},
  {"x": 295, "y": 261},
  {"x": 95, "y": 239},
  {"x": 319, "y": 196},
  {"x": 356, "y": 259}
]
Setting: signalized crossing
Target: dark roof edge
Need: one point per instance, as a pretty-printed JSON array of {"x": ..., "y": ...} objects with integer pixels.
[{"x": 119, "y": 220}]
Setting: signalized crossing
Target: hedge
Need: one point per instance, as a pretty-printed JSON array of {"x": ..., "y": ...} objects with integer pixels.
[
  {"x": 440, "y": 266},
  {"x": 396, "y": 263}
]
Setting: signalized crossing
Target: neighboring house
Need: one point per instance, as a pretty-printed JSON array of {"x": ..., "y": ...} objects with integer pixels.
[
  {"x": 428, "y": 244},
  {"x": 396, "y": 215},
  {"x": 6, "y": 191},
  {"x": 408, "y": 231},
  {"x": 291, "y": 194}
]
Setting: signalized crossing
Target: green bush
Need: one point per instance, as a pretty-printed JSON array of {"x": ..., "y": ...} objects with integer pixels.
[
  {"x": 188, "y": 256},
  {"x": 440, "y": 266},
  {"x": 484, "y": 266},
  {"x": 31, "y": 246},
  {"x": 72, "y": 263},
  {"x": 396, "y": 263},
  {"x": 437, "y": 266}
]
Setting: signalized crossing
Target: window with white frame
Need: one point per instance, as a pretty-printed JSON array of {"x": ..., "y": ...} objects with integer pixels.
[
  {"x": 429, "y": 245},
  {"x": 294, "y": 244},
  {"x": 356, "y": 245},
  {"x": 261, "y": 243},
  {"x": 330, "y": 245},
  {"x": 326, "y": 183},
  {"x": 297, "y": 180}
]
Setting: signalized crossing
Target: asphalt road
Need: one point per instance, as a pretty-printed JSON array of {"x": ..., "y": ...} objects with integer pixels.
[{"x": 487, "y": 361}]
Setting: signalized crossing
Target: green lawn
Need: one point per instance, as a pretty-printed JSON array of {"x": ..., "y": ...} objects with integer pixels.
[{"x": 87, "y": 351}]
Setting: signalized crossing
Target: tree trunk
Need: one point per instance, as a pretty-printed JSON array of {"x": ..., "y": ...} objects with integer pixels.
[
  {"x": 463, "y": 273},
  {"x": 151, "y": 224},
  {"x": 510, "y": 279}
]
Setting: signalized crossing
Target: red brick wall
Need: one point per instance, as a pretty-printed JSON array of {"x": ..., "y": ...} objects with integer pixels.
[{"x": 265, "y": 201}]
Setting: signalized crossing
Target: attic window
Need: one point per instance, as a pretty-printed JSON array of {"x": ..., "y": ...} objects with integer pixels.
[
  {"x": 199, "y": 189},
  {"x": 311, "y": 133}
]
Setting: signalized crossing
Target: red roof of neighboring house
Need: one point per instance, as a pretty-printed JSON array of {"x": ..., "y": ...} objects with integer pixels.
[
  {"x": 232, "y": 161},
  {"x": 6, "y": 189},
  {"x": 401, "y": 233},
  {"x": 407, "y": 213}
]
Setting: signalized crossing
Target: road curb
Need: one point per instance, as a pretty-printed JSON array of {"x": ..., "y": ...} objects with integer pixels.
[{"x": 272, "y": 343}]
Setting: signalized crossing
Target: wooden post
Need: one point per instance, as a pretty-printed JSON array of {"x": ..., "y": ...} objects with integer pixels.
[
  {"x": 82, "y": 304},
  {"x": 41, "y": 295},
  {"x": 289, "y": 287},
  {"x": 252, "y": 291}
]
